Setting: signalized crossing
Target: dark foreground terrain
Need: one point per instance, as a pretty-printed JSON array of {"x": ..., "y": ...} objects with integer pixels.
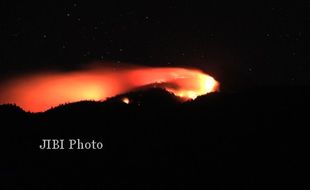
[{"x": 245, "y": 140}]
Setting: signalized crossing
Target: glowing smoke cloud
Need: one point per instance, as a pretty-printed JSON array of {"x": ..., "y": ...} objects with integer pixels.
[{"x": 39, "y": 92}]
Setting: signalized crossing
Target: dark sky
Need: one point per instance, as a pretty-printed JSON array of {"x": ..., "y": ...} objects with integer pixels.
[{"x": 241, "y": 44}]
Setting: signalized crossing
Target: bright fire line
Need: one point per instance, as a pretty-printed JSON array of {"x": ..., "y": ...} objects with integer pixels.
[{"x": 41, "y": 91}]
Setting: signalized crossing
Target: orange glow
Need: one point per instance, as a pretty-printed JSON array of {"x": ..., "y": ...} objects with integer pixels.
[
  {"x": 126, "y": 100},
  {"x": 39, "y": 92}
]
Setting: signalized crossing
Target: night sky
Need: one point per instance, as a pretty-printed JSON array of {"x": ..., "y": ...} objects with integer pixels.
[{"x": 240, "y": 44}]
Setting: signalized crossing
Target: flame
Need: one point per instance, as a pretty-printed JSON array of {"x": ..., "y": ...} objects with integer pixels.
[
  {"x": 41, "y": 91},
  {"x": 126, "y": 100}
]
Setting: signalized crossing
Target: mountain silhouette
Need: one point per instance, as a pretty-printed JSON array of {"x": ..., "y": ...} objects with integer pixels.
[{"x": 227, "y": 140}]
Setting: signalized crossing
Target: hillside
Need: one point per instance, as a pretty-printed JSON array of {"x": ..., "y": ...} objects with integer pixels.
[{"x": 228, "y": 140}]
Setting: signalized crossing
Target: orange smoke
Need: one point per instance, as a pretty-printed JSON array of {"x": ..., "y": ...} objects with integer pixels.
[{"x": 42, "y": 91}]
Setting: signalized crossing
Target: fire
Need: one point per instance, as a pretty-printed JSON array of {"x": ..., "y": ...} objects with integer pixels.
[
  {"x": 41, "y": 91},
  {"x": 126, "y": 100}
]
